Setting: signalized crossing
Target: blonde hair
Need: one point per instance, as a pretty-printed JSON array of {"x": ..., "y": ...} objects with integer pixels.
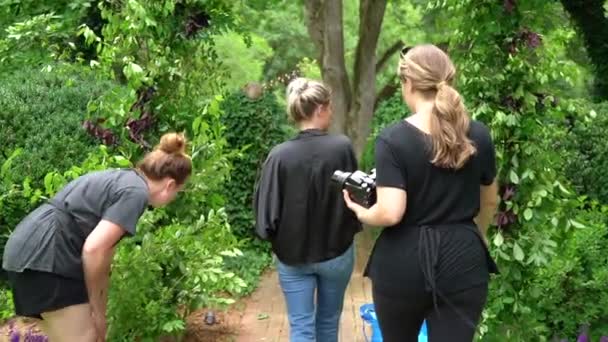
[
  {"x": 431, "y": 72},
  {"x": 304, "y": 96},
  {"x": 168, "y": 159}
]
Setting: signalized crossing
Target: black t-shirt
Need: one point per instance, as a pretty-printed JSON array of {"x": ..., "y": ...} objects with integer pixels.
[
  {"x": 297, "y": 207},
  {"x": 443, "y": 199}
]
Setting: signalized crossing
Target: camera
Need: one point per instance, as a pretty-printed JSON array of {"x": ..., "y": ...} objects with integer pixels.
[{"x": 360, "y": 185}]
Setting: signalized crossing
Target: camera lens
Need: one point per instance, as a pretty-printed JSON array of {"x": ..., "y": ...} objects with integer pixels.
[{"x": 340, "y": 177}]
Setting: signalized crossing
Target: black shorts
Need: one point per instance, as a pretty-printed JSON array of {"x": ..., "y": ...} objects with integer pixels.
[{"x": 36, "y": 292}]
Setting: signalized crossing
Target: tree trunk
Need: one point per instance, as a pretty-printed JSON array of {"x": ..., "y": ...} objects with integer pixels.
[
  {"x": 590, "y": 19},
  {"x": 353, "y": 106},
  {"x": 371, "y": 14},
  {"x": 324, "y": 21}
]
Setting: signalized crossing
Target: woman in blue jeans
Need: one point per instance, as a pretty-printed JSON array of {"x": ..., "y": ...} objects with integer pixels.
[{"x": 305, "y": 219}]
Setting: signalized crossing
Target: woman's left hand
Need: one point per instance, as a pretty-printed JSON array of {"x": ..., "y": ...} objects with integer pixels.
[{"x": 356, "y": 208}]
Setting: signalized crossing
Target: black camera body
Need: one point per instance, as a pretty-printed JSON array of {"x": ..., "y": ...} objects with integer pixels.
[{"x": 360, "y": 185}]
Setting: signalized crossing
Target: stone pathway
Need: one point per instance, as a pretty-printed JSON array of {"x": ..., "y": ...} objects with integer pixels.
[{"x": 265, "y": 320}]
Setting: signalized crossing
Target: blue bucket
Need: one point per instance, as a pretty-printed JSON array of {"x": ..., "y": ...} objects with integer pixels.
[{"x": 368, "y": 314}]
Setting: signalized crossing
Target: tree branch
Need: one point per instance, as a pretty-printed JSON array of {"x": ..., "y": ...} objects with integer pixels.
[
  {"x": 315, "y": 18},
  {"x": 386, "y": 92},
  {"x": 371, "y": 15},
  {"x": 396, "y": 47}
]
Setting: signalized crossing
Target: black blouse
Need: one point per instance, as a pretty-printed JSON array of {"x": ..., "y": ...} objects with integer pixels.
[
  {"x": 297, "y": 207},
  {"x": 437, "y": 231}
]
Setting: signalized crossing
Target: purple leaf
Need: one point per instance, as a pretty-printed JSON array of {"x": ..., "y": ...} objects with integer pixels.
[{"x": 509, "y": 6}]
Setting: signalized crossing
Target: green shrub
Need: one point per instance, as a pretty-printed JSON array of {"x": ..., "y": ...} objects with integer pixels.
[
  {"x": 42, "y": 113},
  {"x": 389, "y": 111},
  {"x": 575, "y": 277},
  {"x": 164, "y": 273},
  {"x": 253, "y": 126},
  {"x": 6, "y": 305},
  {"x": 586, "y": 151}
]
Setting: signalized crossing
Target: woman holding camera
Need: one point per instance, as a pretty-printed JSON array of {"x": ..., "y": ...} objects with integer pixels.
[
  {"x": 59, "y": 257},
  {"x": 436, "y": 196},
  {"x": 309, "y": 226}
]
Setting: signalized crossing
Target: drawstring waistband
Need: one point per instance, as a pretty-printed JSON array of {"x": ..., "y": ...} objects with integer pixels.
[{"x": 428, "y": 252}]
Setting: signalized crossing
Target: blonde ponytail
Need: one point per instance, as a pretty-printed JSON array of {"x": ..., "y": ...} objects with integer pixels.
[
  {"x": 431, "y": 72},
  {"x": 450, "y": 122}
]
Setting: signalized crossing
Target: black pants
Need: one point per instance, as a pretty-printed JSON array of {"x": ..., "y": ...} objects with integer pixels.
[{"x": 401, "y": 315}]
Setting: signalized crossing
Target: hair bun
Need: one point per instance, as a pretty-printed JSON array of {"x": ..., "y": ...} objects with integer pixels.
[
  {"x": 297, "y": 86},
  {"x": 172, "y": 143}
]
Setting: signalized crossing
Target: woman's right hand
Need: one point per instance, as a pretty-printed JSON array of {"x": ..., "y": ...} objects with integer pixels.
[{"x": 101, "y": 326}]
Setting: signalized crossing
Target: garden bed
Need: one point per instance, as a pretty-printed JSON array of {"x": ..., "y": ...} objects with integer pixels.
[{"x": 224, "y": 329}]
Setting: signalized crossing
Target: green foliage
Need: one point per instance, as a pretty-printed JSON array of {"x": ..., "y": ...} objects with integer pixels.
[
  {"x": 253, "y": 126},
  {"x": 36, "y": 32},
  {"x": 585, "y": 151},
  {"x": 6, "y": 305},
  {"x": 389, "y": 111},
  {"x": 164, "y": 274},
  {"x": 282, "y": 25},
  {"x": 52, "y": 104},
  {"x": 243, "y": 61},
  {"x": 164, "y": 53},
  {"x": 576, "y": 278},
  {"x": 508, "y": 74},
  {"x": 250, "y": 265},
  {"x": 41, "y": 118}
]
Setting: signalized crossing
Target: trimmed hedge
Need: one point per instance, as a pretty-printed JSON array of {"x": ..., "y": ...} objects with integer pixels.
[
  {"x": 253, "y": 126},
  {"x": 41, "y": 114},
  {"x": 586, "y": 152}
]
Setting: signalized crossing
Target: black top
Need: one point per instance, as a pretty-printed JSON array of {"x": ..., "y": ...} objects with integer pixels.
[
  {"x": 51, "y": 238},
  {"x": 297, "y": 207},
  {"x": 439, "y": 199}
]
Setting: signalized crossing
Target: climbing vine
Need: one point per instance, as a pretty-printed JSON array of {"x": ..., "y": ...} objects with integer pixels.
[{"x": 508, "y": 75}]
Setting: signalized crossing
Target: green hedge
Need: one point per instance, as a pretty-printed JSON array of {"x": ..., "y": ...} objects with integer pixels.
[
  {"x": 42, "y": 114},
  {"x": 388, "y": 112},
  {"x": 253, "y": 126},
  {"x": 586, "y": 151}
]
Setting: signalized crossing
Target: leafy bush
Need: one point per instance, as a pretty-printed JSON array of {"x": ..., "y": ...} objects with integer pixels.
[
  {"x": 253, "y": 127},
  {"x": 586, "y": 151},
  {"x": 162, "y": 275},
  {"x": 42, "y": 113},
  {"x": 388, "y": 112},
  {"x": 243, "y": 60},
  {"x": 577, "y": 278},
  {"x": 6, "y": 305}
]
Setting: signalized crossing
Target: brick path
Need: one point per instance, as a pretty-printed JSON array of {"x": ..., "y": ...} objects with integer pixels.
[{"x": 265, "y": 319}]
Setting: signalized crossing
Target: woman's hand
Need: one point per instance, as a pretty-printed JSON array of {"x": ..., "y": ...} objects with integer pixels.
[
  {"x": 356, "y": 208},
  {"x": 101, "y": 325},
  {"x": 388, "y": 210}
]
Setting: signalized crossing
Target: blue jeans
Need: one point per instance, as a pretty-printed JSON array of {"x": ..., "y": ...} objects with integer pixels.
[{"x": 299, "y": 282}]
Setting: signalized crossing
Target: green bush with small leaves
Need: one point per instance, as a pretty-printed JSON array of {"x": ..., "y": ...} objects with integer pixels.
[
  {"x": 164, "y": 273},
  {"x": 253, "y": 126},
  {"x": 42, "y": 113},
  {"x": 586, "y": 151},
  {"x": 41, "y": 120}
]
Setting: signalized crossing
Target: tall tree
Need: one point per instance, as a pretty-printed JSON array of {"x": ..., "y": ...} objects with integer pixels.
[
  {"x": 590, "y": 17},
  {"x": 353, "y": 98}
]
